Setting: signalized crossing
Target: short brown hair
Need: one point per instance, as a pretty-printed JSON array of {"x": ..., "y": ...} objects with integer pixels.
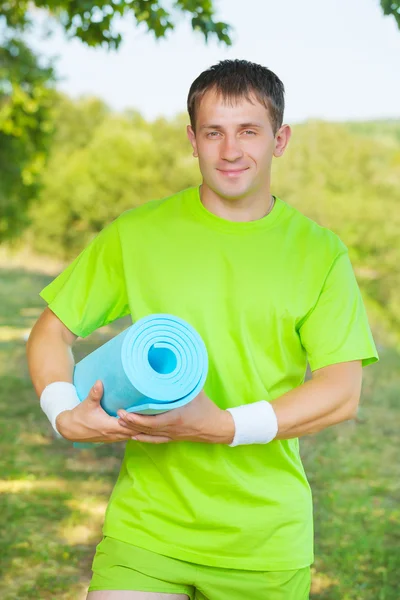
[{"x": 235, "y": 79}]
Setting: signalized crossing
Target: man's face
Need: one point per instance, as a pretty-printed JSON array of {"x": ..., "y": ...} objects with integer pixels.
[{"x": 235, "y": 144}]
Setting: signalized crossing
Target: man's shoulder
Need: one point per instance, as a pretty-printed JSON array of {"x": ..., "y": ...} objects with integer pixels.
[
  {"x": 153, "y": 210},
  {"x": 313, "y": 234}
]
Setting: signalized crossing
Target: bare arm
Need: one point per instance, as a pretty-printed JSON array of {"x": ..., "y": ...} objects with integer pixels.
[
  {"x": 330, "y": 397},
  {"x": 50, "y": 359},
  {"x": 49, "y": 351}
]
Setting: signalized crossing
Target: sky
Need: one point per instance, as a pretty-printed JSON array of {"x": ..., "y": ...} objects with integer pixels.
[{"x": 338, "y": 59}]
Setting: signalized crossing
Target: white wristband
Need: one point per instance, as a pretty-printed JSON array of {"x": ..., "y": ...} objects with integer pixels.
[
  {"x": 57, "y": 397},
  {"x": 255, "y": 423}
]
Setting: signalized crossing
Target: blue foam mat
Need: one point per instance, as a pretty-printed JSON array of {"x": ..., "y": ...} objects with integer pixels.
[{"x": 158, "y": 364}]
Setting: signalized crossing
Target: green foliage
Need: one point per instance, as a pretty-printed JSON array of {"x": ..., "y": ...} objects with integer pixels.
[
  {"x": 120, "y": 162},
  {"x": 383, "y": 131},
  {"x": 74, "y": 122},
  {"x": 25, "y": 128},
  {"x": 95, "y": 22},
  {"x": 392, "y": 7},
  {"x": 25, "y": 85}
]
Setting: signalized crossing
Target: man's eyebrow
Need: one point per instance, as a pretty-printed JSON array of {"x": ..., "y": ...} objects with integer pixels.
[
  {"x": 251, "y": 124},
  {"x": 241, "y": 125}
]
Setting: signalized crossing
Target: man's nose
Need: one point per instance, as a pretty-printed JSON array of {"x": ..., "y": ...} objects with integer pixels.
[{"x": 231, "y": 149}]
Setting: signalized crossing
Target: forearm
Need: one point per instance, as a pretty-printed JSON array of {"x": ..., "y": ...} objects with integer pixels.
[
  {"x": 319, "y": 403},
  {"x": 330, "y": 397},
  {"x": 51, "y": 361},
  {"x": 49, "y": 354}
]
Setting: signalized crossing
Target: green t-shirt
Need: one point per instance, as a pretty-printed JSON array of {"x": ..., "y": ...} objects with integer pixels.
[{"x": 266, "y": 296}]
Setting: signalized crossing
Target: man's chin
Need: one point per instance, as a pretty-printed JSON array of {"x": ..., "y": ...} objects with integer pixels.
[
  {"x": 232, "y": 192},
  {"x": 229, "y": 190}
]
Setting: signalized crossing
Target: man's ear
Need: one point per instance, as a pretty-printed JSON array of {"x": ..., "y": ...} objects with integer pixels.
[
  {"x": 192, "y": 139},
  {"x": 282, "y": 139}
]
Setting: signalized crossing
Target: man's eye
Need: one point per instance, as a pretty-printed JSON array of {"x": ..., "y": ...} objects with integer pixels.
[
  {"x": 249, "y": 131},
  {"x": 213, "y": 134}
]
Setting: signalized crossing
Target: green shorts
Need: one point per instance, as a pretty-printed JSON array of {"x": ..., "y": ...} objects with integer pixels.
[{"x": 121, "y": 566}]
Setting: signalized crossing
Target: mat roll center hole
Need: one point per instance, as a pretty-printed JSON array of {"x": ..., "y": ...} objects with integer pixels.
[{"x": 162, "y": 360}]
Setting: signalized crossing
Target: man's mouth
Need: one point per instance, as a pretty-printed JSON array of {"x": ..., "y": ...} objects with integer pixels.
[{"x": 232, "y": 172}]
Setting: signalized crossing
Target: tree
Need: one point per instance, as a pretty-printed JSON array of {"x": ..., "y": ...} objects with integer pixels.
[
  {"x": 95, "y": 21},
  {"x": 25, "y": 129},
  {"x": 100, "y": 164},
  {"x": 26, "y": 86},
  {"x": 392, "y": 7},
  {"x": 119, "y": 163}
]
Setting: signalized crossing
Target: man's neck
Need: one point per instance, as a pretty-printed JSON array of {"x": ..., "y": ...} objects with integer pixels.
[{"x": 248, "y": 208}]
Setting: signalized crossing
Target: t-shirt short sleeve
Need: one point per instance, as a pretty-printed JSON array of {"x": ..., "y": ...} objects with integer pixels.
[
  {"x": 337, "y": 329},
  {"x": 91, "y": 291}
]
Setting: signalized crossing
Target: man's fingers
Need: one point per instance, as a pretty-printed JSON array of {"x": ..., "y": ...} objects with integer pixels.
[
  {"x": 136, "y": 429},
  {"x": 146, "y": 422},
  {"x": 96, "y": 393},
  {"x": 126, "y": 425}
]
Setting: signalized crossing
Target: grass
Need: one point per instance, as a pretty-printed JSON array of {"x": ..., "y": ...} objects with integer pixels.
[
  {"x": 53, "y": 497},
  {"x": 354, "y": 473}
]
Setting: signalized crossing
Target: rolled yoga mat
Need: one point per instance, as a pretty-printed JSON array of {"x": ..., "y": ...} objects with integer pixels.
[{"x": 158, "y": 364}]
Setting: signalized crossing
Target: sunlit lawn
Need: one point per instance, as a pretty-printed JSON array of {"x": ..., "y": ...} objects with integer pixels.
[{"x": 53, "y": 496}]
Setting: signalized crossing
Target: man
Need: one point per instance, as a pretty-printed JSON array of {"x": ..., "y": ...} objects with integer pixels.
[{"x": 212, "y": 501}]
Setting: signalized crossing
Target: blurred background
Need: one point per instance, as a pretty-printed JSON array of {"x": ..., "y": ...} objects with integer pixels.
[{"x": 92, "y": 123}]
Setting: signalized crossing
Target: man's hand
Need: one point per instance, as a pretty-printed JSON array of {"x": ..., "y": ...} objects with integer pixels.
[
  {"x": 199, "y": 421},
  {"x": 88, "y": 422}
]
